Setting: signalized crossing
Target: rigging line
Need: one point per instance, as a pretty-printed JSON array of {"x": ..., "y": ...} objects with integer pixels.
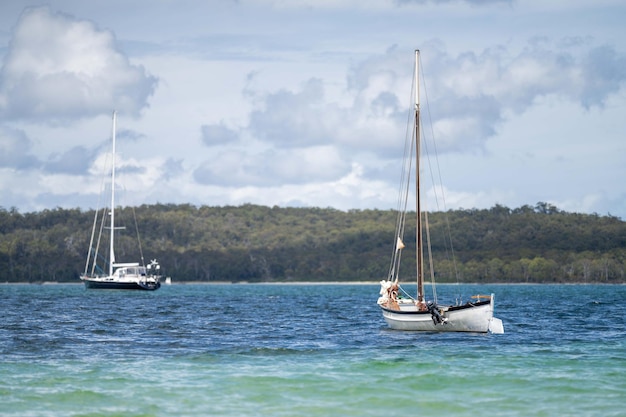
[
  {"x": 93, "y": 234},
  {"x": 443, "y": 194},
  {"x": 430, "y": 256},
  {"x": 406, "y": 293},
  {"x": 403, "y": 210},
  {"x": 427, "y": 228},
  {"x": 104, "y": 215},
  {"x": 138, "y": 239},
  {"x": 407, "y": 167},
  {"x": 409, "y": 149},
  {"x": 403, "y": 191},
  {"x": 95, "y": 217}
]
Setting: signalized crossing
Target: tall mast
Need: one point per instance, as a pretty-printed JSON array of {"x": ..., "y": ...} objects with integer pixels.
[
  {"x": 418, "y": 231},
  {"x": 112, "y": 260}
]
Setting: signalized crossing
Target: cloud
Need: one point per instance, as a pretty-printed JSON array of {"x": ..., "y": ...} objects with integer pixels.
[
  {"x": 61, "y": 68},
  {"x": 291, "y": 120},
  {"x": 272, "y": 167},
  {"x": 216, "y": 134},
  {"x": 471, "y": 94},
  {"x": 172, "y": 168},
  {"x": 15, "y": 148},
  {"x": 603, "y": 74},
  {"x": 472, "y": 2},
  {"x": 76, "y": 161},
  {"x": 363, "y": 112},
  {"x": 306, "y": 103},
  {"x": 128, "y": 135}
]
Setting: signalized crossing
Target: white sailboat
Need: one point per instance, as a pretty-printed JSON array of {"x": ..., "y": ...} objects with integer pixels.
[
  {"x": 119, "y": 275},
  {"x": 404, "y": 312}
]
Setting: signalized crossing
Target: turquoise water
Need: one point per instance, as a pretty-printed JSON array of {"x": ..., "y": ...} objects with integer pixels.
[{"x": 305, "y": 350}]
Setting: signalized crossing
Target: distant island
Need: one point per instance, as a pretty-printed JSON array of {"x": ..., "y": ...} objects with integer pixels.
[{"x": 252, "y": 243}]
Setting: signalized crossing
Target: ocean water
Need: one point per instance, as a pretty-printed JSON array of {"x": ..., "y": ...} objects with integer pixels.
[{"x": 305, "y": 350}]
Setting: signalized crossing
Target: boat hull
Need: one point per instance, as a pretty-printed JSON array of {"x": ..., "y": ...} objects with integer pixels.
[
  {"x": 471, "y": 317},
  {"x": 146, "y": 285}
]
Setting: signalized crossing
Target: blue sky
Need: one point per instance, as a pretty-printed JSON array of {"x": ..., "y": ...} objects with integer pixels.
[{"x": 304, "y": 103}]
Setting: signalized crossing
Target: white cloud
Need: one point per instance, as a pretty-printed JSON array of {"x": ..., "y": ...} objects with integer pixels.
[
  {"x": 58, "y": 67},
  {"x": 290, "y": 119},
  {"x": 272, "y": 167},
  {"x": 348, "y": 192},
  {"x": 295, "y": 103}
]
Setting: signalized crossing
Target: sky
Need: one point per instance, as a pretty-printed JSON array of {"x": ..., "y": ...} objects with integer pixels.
[{"x": 304, "y": 103}]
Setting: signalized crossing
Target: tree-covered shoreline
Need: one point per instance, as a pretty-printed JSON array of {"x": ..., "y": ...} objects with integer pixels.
[{"x": 251, "y": 243}]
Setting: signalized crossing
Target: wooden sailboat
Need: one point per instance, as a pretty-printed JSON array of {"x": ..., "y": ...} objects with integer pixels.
[
  {"x": 133, "y": 275},
  {"x": 404, "y": 312}
]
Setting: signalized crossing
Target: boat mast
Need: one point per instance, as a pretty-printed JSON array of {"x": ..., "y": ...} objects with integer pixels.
[
  {"x": 418, "y": 230},
  {"x": 112, "y": 260}
]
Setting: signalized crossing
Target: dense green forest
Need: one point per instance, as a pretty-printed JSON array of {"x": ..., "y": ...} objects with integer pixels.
[{"x": 257, "y": 243}]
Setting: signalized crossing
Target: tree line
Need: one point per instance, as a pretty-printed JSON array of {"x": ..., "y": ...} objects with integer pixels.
[{"x": 253, "y": 243}]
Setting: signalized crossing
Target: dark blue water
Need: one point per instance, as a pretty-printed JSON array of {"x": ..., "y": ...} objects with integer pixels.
[{"x": 304, "y": 350}]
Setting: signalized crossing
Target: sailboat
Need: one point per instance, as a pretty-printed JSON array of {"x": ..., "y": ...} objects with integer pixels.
[
  {"x": 130, "y": 275},
  {"x": 402, "y": 311}
]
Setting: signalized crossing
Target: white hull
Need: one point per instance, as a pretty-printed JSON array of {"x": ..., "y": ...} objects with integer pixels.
[
  {"x": 419, "y": 315},
  {"x": 476, "y": 317}
]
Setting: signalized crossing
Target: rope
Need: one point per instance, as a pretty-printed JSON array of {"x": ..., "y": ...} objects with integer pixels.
[
  {"x": 95, "y": 221},
  {"x": 448, "y": 236},
  {"x": 403, "y": 193},
  {"x": 138, "y": 239}
]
